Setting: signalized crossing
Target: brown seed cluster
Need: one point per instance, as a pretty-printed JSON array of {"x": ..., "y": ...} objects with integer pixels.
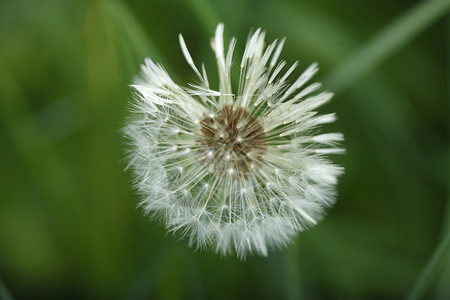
[{"x": 232, "y": 142}]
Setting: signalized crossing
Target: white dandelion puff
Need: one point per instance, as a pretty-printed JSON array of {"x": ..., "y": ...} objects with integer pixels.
[{"x": 235, "y": 170}]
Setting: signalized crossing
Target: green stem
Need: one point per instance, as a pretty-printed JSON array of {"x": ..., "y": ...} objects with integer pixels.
[
  {"x": 293, "y": 276},
  {"x": 431, "y": 269},
  {"x": 385, "y": 43},
  {"x": 4, "y": 292}
]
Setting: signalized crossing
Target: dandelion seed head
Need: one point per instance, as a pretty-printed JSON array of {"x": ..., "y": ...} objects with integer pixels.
[
  {"x": 227, "y": 139},
  {"x": 234, "y": 169}
]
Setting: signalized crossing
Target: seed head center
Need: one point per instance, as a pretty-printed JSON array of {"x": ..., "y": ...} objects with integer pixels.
[{"x": 233, "y": 142}]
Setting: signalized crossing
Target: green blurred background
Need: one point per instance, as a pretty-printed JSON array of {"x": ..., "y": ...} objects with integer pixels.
[{"x": 69, "y": 226}]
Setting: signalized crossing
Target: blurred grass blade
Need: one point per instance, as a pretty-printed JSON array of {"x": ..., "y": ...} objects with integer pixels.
[
  {"x": 381, "y": 46},
  {"x": 129, "y": 41},
  {"x": 206, "y": 14},
  {"x": 431, "y": 269},
  {"x": 443, "y": 288},
  {"x": 129, "y": 33},
  {"x": 4, "y": 292}
]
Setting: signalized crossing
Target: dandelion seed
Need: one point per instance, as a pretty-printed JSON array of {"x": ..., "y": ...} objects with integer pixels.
[{"x": 238, "y": 171}]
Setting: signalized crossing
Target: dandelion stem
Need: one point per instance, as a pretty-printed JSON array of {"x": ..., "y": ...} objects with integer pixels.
[
  {"x": 386, "y": 42},
  {"x": 4, "y": 292},
  {"x": 431, "y": 269},
  {"x": 294, "y": 288}
]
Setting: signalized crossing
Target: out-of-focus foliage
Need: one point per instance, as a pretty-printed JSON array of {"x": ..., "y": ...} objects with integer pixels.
[{"x": 69, "y": 227}]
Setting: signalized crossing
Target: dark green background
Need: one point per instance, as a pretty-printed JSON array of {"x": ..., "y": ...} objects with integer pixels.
[{"x": 69, "y": 227}]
